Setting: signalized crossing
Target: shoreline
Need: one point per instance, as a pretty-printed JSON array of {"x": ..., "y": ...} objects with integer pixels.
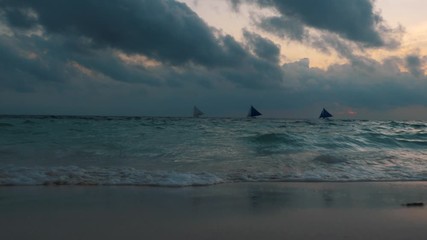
[{"x": 297, "y": 210}]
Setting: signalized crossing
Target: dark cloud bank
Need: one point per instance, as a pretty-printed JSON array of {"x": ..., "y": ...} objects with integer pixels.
[{"x": 159, "y": 58}]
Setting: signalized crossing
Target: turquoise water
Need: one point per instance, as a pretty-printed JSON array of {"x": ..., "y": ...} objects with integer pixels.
[{"x": 185, "y": 151}]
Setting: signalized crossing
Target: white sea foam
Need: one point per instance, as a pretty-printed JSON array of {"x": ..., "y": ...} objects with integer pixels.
[
  {"x": 18, "y": 176},
  {"x": 21, "y": 176}
]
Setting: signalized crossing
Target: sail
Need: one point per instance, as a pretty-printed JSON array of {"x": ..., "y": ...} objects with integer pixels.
[
  {"x": 325, "y": 114},
  {"x": 253, "y": 112},
  {"x": 197, "y": 112}
]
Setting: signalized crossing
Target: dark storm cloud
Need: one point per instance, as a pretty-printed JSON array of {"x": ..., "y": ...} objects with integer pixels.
[
  {"x": 164, "y": 30},
  {"x": 351, "y": 19},
  {"x": 414, "y": 65},
  {"x": 22, "y": 68},
  {"x": 263, "y": 48},
  {"x": 378, "y": 85},
  {"x": 285, "y": 27},
  {"x": 90, "y": 33},
  {"x": 21, "y": 18},
  {"x": 354, "y": 20},
  {"x": 28, "y": 62}
]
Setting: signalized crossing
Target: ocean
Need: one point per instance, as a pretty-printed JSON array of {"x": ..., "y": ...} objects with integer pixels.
[{"x": 179, "y": 152}]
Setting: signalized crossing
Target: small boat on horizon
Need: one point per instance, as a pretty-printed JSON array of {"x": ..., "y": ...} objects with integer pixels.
[
  {"x": 197, "y": 112},
  {"x": 325, "y": 114},
  {"x": 253, "y": 112}
]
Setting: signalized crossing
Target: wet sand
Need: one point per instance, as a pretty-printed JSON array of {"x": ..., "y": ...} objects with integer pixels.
[{"x": 228, "y": 211}]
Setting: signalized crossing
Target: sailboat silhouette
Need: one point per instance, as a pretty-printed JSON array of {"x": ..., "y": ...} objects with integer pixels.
[
  {"x": 196, "y": 112},
  {"x": 253, "y": 112},
  {"x": 325, "y": 114}
]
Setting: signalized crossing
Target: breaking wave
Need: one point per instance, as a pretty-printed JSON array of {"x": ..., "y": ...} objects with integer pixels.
[
  {"x": 72, "y": 175},
  {"x": 13, "y": 176}
]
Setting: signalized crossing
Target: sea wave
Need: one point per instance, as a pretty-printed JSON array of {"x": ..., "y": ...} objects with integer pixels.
[
  {"x": 72, "y": 175},
  {"x": 6, "y": 125},
  {"x": 95, "y": 176},
  {"x": 157, "y": 151}
]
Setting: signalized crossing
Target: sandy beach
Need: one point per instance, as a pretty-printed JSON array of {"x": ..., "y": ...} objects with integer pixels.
[{"x": 229, "y": 211}]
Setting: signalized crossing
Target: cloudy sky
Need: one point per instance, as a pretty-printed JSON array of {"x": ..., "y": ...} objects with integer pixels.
[{"x": 289, "y": 58}]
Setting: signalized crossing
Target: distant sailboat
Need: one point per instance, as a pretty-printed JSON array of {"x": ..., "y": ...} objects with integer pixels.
[
  {"x": 197, "y": 112},
  {"x": 325, "y": 114},
  {"x": 253, "y": 112}
]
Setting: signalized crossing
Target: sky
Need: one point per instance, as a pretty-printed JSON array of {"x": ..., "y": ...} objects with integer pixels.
[{"x": 360, "y": 59}]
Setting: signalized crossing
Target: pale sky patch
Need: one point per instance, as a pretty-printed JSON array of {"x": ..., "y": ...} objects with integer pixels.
[{"x": 138, "y": 59}]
